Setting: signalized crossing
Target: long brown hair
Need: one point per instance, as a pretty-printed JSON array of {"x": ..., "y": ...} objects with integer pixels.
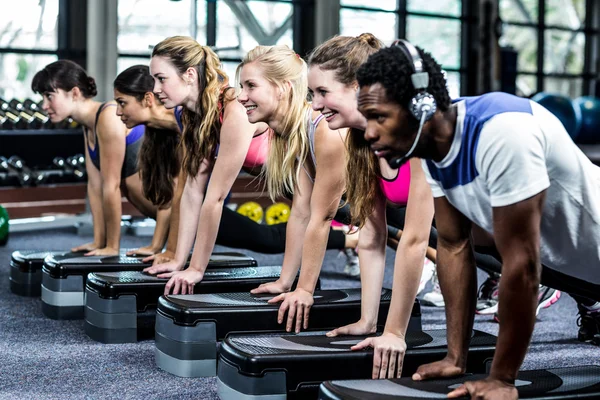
[
  {"x": 200, "y": 127},
  {"x": 288, "y": 148},
  {"x": 344, "y": 55},
  {"x": 159, "y": 158}
]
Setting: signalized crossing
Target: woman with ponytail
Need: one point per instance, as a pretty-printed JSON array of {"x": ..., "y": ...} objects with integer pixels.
[
  {"x": 371, "y": 184},
  {"x": 306, "y": 158},
  {"x": 163, "y": 181},
  {"x": 111, "y": 152}
]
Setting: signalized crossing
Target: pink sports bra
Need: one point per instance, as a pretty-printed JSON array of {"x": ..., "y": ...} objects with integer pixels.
[
  {"x": 396, "y": 190},
  {"x": 259, "y": 146}
]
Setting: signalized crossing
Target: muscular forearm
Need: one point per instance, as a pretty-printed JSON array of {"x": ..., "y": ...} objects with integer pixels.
[
  {"x": 408, "y": 268},
  {"x": 95, "y": 199},
  {"x": 189, "y": 213},
  {"x": 294, "y": 238},
  {"x": 517, "y": 302},
  {"x": 111, "y": 206},
  {"x": 161, "y": 230},
  {"x": 313, "y": 253},
  {"x": 206, "y": 236},
  {"x": 458, "y": 281}
]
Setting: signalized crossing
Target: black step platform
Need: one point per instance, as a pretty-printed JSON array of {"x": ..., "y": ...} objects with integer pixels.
[
  {"x": 188, "y": 327},
  {"x": 582, "y": 382},
  {"x": 63, "y": 278},
  {"x": 26, "y": 270},
  {"x": 275, "y": 365},
  {"x": 120, "y": 307}
]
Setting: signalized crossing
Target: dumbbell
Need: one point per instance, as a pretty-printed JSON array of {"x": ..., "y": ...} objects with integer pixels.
[
  {"x": 18, "y": 166},
  {"x": 75, "y": 165},
  {"x": 66, "y": 166}
]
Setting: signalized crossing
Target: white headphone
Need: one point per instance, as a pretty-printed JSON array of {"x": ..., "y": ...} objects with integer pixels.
[{"x": 422, "y": 102}]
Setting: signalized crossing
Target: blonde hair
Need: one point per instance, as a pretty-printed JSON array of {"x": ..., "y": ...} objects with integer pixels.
[
  {"x": 289, "y": 147},
  {"x": 344, "y": 55},
  {"x": 200, "y": 127}
]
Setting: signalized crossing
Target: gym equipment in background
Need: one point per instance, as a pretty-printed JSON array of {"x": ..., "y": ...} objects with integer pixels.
[
  {"x": 4, "y": 226},
  {"x": 567, "y": 111},
  {"x": 590, "y": 119},
  {"x": 188, "y": 327},
  {"x": 268, "y": 365},
  {"x": 581, "y": 382},
  {"x": 252, "y": 210},
  {"x": 120, "y": 307},
  {"x": 277, "y": 213},
  {"x": 64, "y": 278}
]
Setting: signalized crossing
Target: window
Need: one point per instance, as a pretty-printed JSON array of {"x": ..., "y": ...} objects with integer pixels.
[
  {"x": 28, "y": 42},
  {"x": 388, "y": 21},
  {"x": 238, "y": 26},
  {"x": 552, "y": 39}
]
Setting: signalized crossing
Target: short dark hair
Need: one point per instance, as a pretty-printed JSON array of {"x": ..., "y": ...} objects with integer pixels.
[
  {"x": 392, "y": 68},
  {"x": 65, "y": 75},
  {"x": 135, "y": 81}
]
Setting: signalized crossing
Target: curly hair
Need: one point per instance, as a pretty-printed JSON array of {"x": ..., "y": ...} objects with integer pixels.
[
  {"x": 392, "y": 68},
  {"x": 201, "y": 127}
]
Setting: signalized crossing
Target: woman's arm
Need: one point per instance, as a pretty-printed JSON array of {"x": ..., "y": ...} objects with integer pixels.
[
  {"x": 411, "y": 251},
  {"x": 111, "y": 135},
  {"x": 407, "y": 274},
  {"x": 234, "y": 140},
  {"x": 371, "y": 254},
  {"x": 94, "y": 193},
  {"x": 294, "y": 239},
  {"x": 330, "y": 152}
]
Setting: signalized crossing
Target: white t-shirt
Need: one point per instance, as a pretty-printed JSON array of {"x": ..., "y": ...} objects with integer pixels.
[{"x": 507, "y": 149}]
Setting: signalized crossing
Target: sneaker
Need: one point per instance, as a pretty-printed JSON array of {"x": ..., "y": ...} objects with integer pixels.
[
  {"x": 546, "y": 297},
  {"x": 352, "y": 267},
  {"x": 428, "y": 269},
  {"x": 589, "y": 325},
  {"x": 487, "y": 296},
  {"x": 434, "y": 298}
]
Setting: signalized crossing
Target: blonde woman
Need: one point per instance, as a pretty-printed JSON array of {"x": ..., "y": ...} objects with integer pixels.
[{"x": 306, "y": 158}]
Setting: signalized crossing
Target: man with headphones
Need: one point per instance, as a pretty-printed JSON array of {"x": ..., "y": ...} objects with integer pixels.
[{"x": 501, "y": 164}]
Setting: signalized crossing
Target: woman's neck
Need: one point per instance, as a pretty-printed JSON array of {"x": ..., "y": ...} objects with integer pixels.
[
  {"x": 85, "y": 113},
  {"x": 276, "y": 120}
]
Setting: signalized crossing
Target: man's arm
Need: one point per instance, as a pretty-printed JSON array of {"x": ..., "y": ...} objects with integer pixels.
[{"x": 517, "y": 236}]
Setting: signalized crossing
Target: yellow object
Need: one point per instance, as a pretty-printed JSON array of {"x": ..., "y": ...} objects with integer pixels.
[
  {"x": 252, "y": 210},
  {"x": 277, "y": 213}
]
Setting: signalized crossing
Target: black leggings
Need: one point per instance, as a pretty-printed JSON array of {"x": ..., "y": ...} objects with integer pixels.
[
  {"x": 582, "y": 291},
  {"x": 396, "y": 218},
  {"x": 238, "y": 231}
]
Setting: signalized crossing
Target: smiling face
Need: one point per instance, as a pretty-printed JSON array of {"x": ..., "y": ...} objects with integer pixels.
[
  {"x": 169, "y": 85},
  {"x": 259, "y": 96},
  {"x": 390, "y": 129},
  {"x": 58, "y": 104},
  {"x": 132, "y": 111},
  {"x": 335, "y": 100}
]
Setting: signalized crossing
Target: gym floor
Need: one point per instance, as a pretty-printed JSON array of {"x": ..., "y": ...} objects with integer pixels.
[{"x": 46, "y": 359}]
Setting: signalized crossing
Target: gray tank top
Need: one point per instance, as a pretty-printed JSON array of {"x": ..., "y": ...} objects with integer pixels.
[
  {"x": 133, "y": 143},
  {"x": 311, "y": 130}
]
